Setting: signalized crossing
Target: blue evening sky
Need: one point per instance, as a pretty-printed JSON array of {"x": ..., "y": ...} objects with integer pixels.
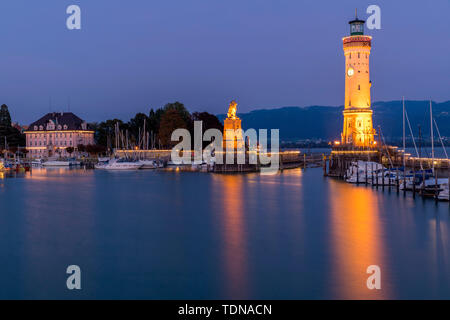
[{"x": 132, "y": 55}]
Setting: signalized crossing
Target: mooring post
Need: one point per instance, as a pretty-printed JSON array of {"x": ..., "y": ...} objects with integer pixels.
[
  {"x": 366, "y": 173},
  {"x": 304, "y": 161},
  {"x": 436, "y": 188},
  {"x": 330, "y": 163},
  {"x": 448, "y": 169},
  {"x": 357, "y": 173},
  {"x": 372, "y": 172},
  {"x": 340, "y": 167},
  {"x": 397, "y": 182},
  {"x": 414, "y": 178},
  {"x": 346, "y": 169},
  {"x": 404, "y": 177},
  {"x": 324, "y": 160},
  {"x": 422, "y": 191},
  {"x": 280, "y": 159},
  {"x": 389, "y": 178}
]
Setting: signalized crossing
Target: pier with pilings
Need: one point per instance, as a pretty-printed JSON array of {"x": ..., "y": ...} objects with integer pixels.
[{"x": 341, "y": 158}]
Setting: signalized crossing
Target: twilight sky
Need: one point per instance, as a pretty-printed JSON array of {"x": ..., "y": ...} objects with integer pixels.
[{"x": 133, "y": 55}]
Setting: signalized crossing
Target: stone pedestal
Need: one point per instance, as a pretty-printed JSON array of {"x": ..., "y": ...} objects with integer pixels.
[{"x": 234, "y": 138}]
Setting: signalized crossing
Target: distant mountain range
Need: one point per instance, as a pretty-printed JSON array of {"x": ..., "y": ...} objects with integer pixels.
[{"x": 325, "y": 122}]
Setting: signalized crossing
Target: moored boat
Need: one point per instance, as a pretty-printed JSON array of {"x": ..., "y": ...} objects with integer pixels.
[
  {"x": 444, "y": 193},
  {"x": 121, "y": 164}
]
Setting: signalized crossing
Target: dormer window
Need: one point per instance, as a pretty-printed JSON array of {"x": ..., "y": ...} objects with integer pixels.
[
  {"x": 50, "y": 125},
  {"x": 84, "y": 126},
  {"x": 59, "y": 127},
  {"x": 41, "y": 128},
  {"x": 65, "y": 127},
  {"x": 35, "y": 128}
]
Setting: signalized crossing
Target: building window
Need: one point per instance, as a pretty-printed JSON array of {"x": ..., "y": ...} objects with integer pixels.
[
  {"x": 358, "y": 55},
  {"x": 359, "y": 87}
]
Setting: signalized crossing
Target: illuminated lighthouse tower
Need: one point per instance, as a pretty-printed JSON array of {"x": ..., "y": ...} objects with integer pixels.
[{"x": 358, "y": 129}]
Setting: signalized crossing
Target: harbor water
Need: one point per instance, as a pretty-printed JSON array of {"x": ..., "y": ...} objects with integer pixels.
[{"x": 171, "y": 235}]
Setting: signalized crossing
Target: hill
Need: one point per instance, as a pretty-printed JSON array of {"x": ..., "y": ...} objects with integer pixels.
[{"x": 325, "y": 122}]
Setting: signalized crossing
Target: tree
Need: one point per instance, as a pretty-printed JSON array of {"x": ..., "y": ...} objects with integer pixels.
[
  {"x": 154, "y": 120},
  {"x": 81, "y": 148},
  {"x": 181, "y": 109},
  {"x": 13, "y": 136},
  {"x": 136, "y": 125},
  {"x": 105, "y": 132},
  {"x": 209, "y": 121},
  {"x": 70, "y": 150},
  {"x": 170, "y": 121},
  {"x": 5, "y": 117},
  {"x": 174, "y": 116},
  {"x": 95, "y": 149}
]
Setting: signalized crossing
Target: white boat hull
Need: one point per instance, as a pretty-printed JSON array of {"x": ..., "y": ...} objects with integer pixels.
[
  {"x": 122, "y": 167},
  {"x": 56, "y": 164}
]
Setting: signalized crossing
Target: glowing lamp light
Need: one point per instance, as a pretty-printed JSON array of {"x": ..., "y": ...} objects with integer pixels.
[{"x": 337, "y": 143}]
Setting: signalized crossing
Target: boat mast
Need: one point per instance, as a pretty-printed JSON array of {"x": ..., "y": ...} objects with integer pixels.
[
  {"x": 420, "y": 141},
  {"x": 432, "y": 135},
  {"x": 440, "y": 138},
  {"x": 404, "y": 142}
]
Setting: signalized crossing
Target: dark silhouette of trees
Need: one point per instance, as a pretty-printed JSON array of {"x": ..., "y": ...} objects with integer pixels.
[
  {"x": 14, "y": 137},
  {"x": 159, "y": 124},
  {"x": 95, "y": 149},
  {"x": 209, "y": 121},
  {"x": 70, "y": 150},
  {"x": 170, "y": 121},
  {"x": 5, "y": 117},
  {"x": 81, "y": 148}
]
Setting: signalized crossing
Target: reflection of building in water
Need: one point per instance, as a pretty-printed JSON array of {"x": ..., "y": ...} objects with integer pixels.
[
  {"x": 358, "y": 129},
  {"x": 356, "y": 239},
  {"x": 232, "y": 139}
]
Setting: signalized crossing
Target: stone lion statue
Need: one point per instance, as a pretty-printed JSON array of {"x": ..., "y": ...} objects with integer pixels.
[{"x": 232, "y": 110}]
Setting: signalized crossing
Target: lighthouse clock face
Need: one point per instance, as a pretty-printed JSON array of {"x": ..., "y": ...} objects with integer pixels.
[{"x": 350, "y": 72}]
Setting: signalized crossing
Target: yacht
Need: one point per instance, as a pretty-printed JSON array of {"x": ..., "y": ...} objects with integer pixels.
[
  {"x": 56, "y": 163},
  {"x": 61, "y": 163},
  {"x": 120, "y": 164},
  {"x": 148, "y": 164},
  {"x": 37, "y": 162}
]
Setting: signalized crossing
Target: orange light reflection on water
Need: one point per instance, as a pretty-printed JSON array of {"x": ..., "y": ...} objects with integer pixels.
[
  {"x": 235, "y": 248},
  {"x": 357, "y": 241}
]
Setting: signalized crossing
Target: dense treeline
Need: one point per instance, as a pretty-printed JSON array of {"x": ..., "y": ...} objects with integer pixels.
[{"x": 158, "y": 125}]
